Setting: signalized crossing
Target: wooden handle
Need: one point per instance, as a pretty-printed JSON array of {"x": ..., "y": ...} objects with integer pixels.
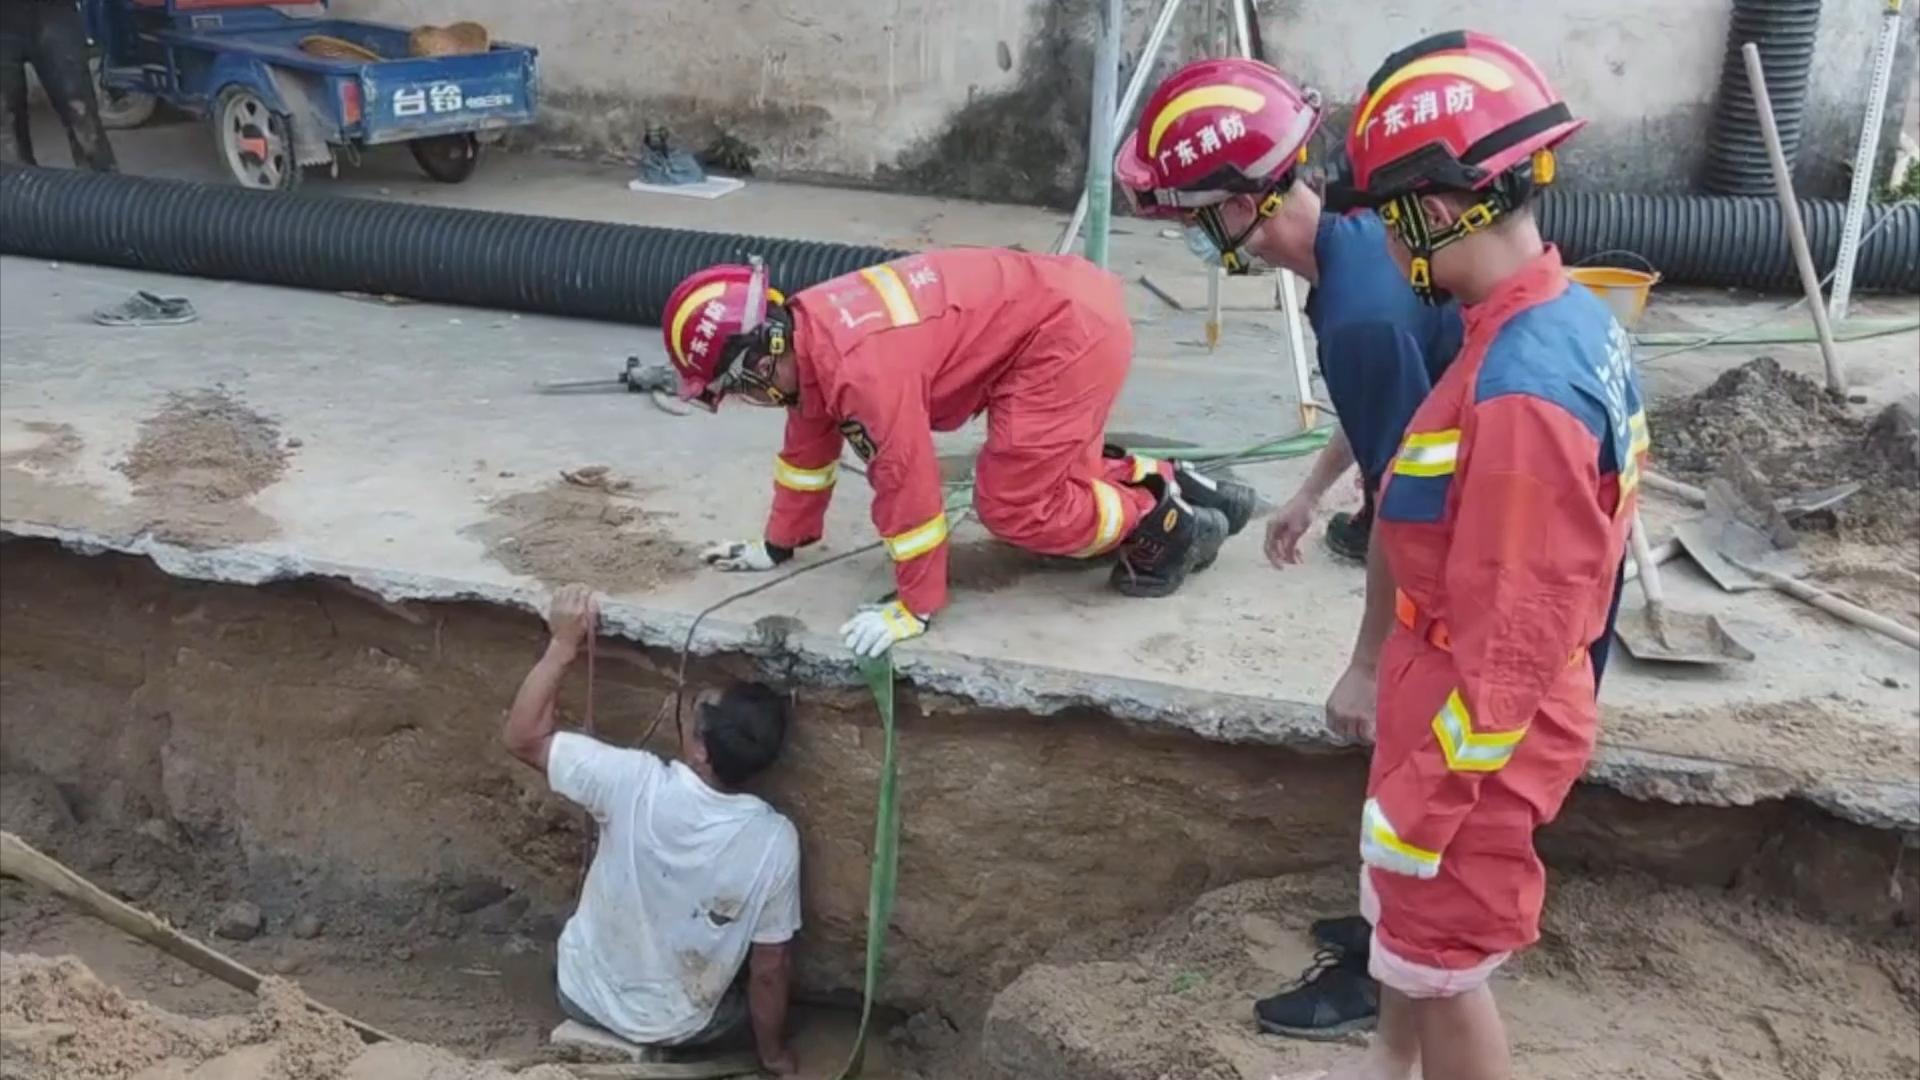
[
  {"x": 1669, "y": 486},
  {"x": 1837, "y": 607},
  {"x": 1648, "y": 565},
  {"x": 18, "y": 859}
]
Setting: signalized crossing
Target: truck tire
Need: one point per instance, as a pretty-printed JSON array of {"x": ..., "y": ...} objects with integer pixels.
[
  {"x": 121, "y": 110},
  {"x": 449, "y": 159},
  {"x": 255, "y": 142}
]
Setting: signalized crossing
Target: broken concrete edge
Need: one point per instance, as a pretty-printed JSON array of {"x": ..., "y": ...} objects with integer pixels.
[{"x": 1643, "y": 774}]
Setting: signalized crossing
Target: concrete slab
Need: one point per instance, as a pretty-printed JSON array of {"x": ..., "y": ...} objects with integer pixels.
[{"x": 423, "y": 457}]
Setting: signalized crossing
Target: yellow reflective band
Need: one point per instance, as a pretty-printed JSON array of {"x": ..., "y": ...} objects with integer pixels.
[
  {"x": 1637, "y": 425},
  {"x": 795, "y": 478},
  {"x": 1377, "y": 832},
  {"x": 918, "y": 540},
  {"x": 1467, "y": 750},
  {"x": 1106, "y": 529},
  {"x": 903, "y": 623},
  {"x": 1233, "y": 97},
  {"x": 893, "y": 293},
  {"x": 1144, "y": 466},
  {"x": 1489, "y": 75},
  {"x": 1429, "y": 453},
  {"x": 696, "y": 300}
]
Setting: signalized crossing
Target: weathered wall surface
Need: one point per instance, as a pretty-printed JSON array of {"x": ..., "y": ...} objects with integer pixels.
[
  {"x": 341, "y": 754},
  {"x": 988, "y": 98}
]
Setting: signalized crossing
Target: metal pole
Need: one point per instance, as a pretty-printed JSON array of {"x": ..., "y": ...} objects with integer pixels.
[
  {"x": 1796, "y": 229},
  {"x": 1135, "y": 84},
  {"x": 1863, "y": 162},
  {"x": 1099, "y": 190}
]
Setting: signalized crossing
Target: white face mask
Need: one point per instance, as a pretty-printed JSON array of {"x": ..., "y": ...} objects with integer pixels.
[{"x": 1202, "y": 245}]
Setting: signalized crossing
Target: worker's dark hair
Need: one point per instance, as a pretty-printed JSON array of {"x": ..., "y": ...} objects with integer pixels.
[{"x": 743, "y": 731}]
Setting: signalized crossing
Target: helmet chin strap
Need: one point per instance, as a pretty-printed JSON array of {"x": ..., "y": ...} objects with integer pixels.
[
  {"x": 1409, "y": 222},
  {"x": 751, "y": 356},
  {"x": 1233, "y": 255}
]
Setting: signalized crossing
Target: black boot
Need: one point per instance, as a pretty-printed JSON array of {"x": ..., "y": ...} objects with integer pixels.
[
  {"x": 1348, "y": 535},
  {"x": 1172, "y": 541},
  {"x": 1334, "y": 998},
  {"x": 1234, "y": 501}
]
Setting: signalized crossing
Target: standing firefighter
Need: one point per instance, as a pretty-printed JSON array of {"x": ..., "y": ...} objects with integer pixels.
[
  {"x": 1503, "y": 519},
  {"x": 882, "y": 358},
  {"x": 1220, "y": 149}
]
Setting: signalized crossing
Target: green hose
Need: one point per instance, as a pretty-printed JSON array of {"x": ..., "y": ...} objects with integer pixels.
[
  {"x": 886, "y": 858},
  {"x": 1848, "y": 330}
]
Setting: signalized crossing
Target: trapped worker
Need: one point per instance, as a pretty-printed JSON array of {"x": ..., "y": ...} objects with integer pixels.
[
  {"x": 1221, "y": 148},
  {"x": 52, "y": 36},
  {"x": 882, "y": 358},
  {"x": 1503, "y": 520},
  {"x": 695, "y": 885}
]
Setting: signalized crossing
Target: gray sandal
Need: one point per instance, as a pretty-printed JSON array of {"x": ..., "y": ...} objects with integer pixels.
[{"x": 147, "y": 309}]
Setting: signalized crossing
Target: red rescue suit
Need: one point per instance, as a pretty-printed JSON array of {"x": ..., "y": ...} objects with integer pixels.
[
  {"x": 1504, "y": 518},
  {"x": 890, "y": 354}
]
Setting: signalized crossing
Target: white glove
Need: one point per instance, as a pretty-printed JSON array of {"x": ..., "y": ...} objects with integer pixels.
[
  {"x": 875, "y": 627},
  {"x": 745, "y": 555}
]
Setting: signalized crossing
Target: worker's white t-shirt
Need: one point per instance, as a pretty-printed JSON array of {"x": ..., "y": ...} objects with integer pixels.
[{"x": 685, "y": 880}]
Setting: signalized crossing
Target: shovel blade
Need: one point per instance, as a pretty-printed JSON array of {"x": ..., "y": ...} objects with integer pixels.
[{"x": 1678, "y": 638}]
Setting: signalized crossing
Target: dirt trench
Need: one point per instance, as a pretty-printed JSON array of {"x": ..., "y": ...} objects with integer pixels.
[{"x": 324, "y": 754}]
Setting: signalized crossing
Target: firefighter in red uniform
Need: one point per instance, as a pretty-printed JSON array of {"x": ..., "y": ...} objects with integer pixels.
[
  {"x": 1503, "y": 520},
  {"x": 882, "y": 358}
]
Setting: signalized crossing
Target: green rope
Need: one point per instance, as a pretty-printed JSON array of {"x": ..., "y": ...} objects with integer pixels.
[
  {"x": 1849, "y": 330},
  {"x": 886, "y": 858}
]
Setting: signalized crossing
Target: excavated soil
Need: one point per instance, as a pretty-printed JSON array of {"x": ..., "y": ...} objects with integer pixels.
[
  {"x": 1632, "y": 981},
  {"x": 59, "y": 1022},
  {"x": 196, "y": 464},
  {"x": 334, "y": 760},
  {"x": 588, "y": 525},
  {"x": 1786, "y": 427}
]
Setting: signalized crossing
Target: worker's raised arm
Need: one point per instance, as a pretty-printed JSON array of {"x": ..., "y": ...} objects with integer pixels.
[
  {"x": 528, "y": 732},
  {"x": 1529, "y": 549}
]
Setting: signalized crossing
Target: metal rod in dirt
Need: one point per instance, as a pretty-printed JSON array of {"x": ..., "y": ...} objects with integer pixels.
[
  {"x": 1100, "y": 132},
  {"x": 1790, "y": 213},
  {"x": 1135, "y": 84},
  {"x": 1863, "y": 163}
]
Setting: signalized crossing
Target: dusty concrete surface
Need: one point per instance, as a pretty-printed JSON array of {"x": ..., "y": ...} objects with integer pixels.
[
  {"x": 427, "y": 467},
  {"x": 1631, "y": 979}
]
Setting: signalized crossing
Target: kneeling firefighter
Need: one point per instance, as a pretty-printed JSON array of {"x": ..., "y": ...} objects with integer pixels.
[{"x": 882, "y": 358}]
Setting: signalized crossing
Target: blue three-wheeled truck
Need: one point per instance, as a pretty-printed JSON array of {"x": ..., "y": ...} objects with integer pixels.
[{"x": 278, "y": 106}]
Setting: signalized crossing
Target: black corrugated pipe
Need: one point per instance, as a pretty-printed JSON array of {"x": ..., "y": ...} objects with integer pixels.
[
  {"x": 1784, "y": 31},
  {"x": 594, "y": 270},
  {"x": 1722, "y": 240},
  {"x": 554, "y": 266}
]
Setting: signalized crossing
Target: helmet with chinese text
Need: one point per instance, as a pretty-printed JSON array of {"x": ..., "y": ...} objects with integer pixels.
[
  {"x": 1214, "y": 129},
  {"x": 1453, "y": 112},
  {"x": 1457, "y": 112},
  {"x": 705, "y": 324}
]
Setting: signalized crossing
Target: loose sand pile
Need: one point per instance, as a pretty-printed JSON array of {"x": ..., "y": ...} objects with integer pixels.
[
  {"x": 1631, "y": 981},
  {"x": 1786, "y": 427},
  {"x": 589, "y": 526},
  {"x": 59, "y": 1022},
  {"x": 196, "y": 465}
]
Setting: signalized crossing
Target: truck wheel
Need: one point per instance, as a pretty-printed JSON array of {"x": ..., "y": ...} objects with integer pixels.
[
  {"x": 255, "y": 142},
  {"x": 121, "y": 109},
  {"x": 447, "y": 158}
]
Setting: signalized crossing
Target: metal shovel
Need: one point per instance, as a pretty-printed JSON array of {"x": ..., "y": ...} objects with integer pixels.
[{"x": 1654, "y": 632}]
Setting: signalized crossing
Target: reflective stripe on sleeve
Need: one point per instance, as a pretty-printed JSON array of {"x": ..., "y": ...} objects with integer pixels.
[
  {"x": 1106, "y": 530},
  {"x": 795, "y": 478},
  {"x": 1144, "y": 466},
  {"x": 918, "y": 540},
  {"x": 1428, "y": 453},
  {"x": 1381, "y": 846},
  {"x": 1466, "y": 749}
]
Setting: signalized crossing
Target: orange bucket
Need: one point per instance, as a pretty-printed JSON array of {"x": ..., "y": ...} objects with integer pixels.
[{"x": 1624, "y": 291}]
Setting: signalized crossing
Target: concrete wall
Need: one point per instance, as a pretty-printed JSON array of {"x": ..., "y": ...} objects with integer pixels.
[{"x": 988, "y": 98}]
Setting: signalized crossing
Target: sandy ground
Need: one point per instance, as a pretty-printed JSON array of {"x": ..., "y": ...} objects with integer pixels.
[{"x": 1631, "y": 981}]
